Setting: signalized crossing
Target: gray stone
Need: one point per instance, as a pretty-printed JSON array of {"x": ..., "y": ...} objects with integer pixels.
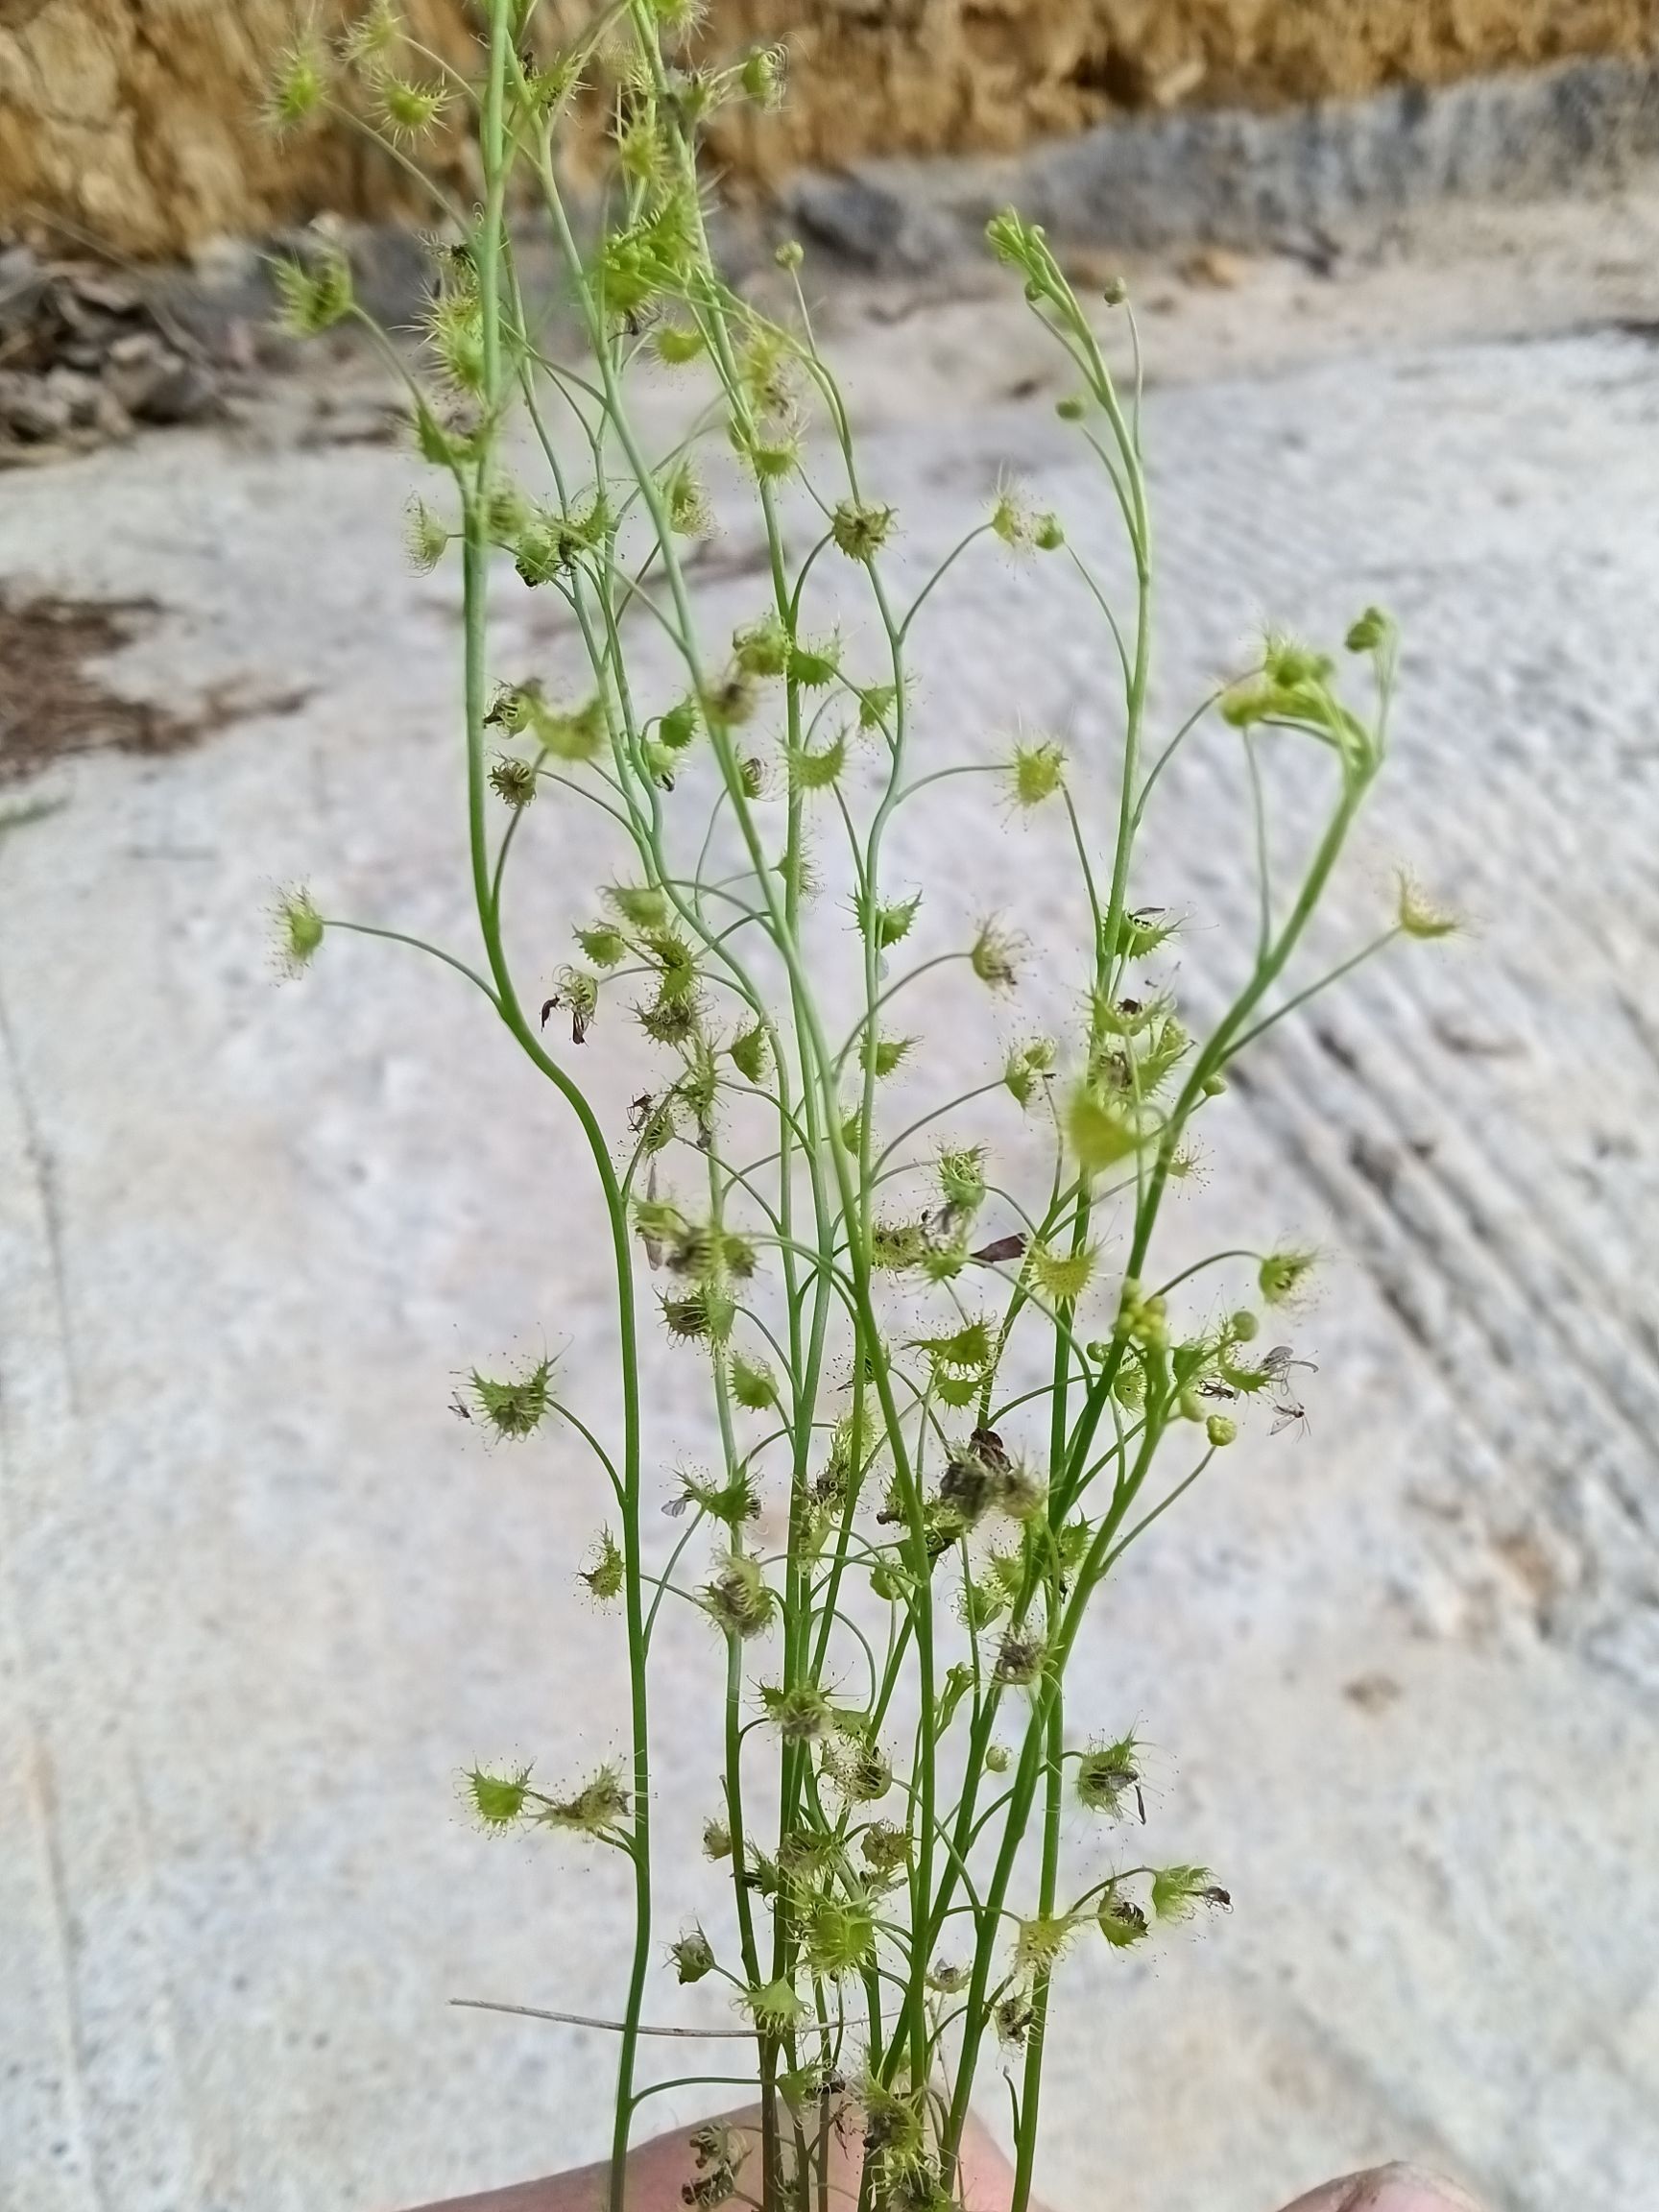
[
  {"x": 1242, "y": 178},
  {"x": 392, "y": 266},
  {"x": 21, "y": 283},
  {"x": 31, "y": 409},
  {"x": 868, "y": 224},
  {"x": 154, "y": 383},
  {"x": 76, "y": 390},
  {"x": 169, "y": 390},
  {"x": 18, "y": 264}
]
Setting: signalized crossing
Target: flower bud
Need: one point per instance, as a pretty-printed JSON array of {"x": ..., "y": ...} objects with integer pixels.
[
  {"x": 299, "y": 89},
  {"x": 1021, "y": 1660},
  {"x": 752, "y": 1384},
  {"x": 1009, "y": 520},
  {"x": 762, "y": 649},
  {"x": 1062, "y": 1276},
  {"x": 498, "y": 1799},
  {"x": 1040, "y": 1941},
  {"x": 730, "y": 701},
  {"x": 1107, "y": 1773},
  {"x": 861, "y": 530},
  {"x": 1281, "y": 1275},
  {"x": 516, "y": 1409},
  {"x": 885, "y": 1847},
  {"x": 801, "y": 1713},
  {"x": 1038, "y": 772},
  {"x": 751, "y": 1053},
  {"x": 821, "y": 770},
  {"x": 1139, "y": 936},
  {"x": 408, "y": 110},
  {"x": 876, "y": 705},
  {"x": 1418, "y": 916},
  {"x": 1103, "y": 1135},
  {"x": 644, "y": 905},
  {"x": 300, "y": 931},
  {"x": 426, "y": 537},
  {"x": 738, "y": 1597},
  {"x": 670, "y": 1019},
  {"x": 838, "y": 1935},
  {"x": 789, "y": 254},
  {"x": 604, "y": 1576},
  {"x": 1176, "y": 1889},
  {"x": 888, "y": 1580},
  {"x": 314, "y": 297},
  {"x": 1129, "y": 1384},
  {"x": 1372, "y": 630},
  {"x": 866, "y": 1777},
  {"x": 513, "y": 780},
  {"x": 762, "y": 74},
  {"x": 1020, "y": 1493},
  {"x": 599, "y": 1805},
  {"x": 674, "y": 344},
  {"x": 775, "y": 2008},
  {"x": 815, "y": 666},
  {"x": 693, "y": 1957},
  {"x": 1221, "y": 1431},
  {"x": 992, "y": 956},
  {"x": 371, "y": 38}
]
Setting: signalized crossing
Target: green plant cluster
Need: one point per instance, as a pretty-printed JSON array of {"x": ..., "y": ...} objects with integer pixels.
[{"x": 902, "y": 1541}]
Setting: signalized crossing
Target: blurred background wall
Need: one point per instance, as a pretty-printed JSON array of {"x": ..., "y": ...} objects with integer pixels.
[{"x": 135, "y": 122}]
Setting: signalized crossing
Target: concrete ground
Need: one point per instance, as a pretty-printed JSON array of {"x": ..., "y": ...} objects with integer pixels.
[{"x": 261, "y": 1594}]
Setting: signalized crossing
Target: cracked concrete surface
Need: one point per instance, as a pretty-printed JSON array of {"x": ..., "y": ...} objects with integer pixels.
[{"x": 260, "y": 1594}]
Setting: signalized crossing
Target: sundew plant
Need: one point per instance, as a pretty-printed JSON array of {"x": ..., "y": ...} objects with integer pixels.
[{"x": 950, "y": 1384}]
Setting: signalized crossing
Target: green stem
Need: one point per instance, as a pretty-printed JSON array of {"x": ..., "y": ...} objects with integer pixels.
[{"x": 476, "y": 574}]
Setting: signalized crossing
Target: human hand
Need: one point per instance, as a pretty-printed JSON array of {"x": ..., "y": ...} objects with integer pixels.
[
  {"x": 659, "y": 2169},
  {"x": 1395, "y": 2188}
]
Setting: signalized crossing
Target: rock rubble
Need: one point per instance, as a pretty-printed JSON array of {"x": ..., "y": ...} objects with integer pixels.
[{"x": 86, "y": 355}]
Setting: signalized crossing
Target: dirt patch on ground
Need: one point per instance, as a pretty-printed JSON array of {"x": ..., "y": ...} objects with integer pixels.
[
  {"x": 138, "y": 124},
  {"x": 57, "y": 701}
]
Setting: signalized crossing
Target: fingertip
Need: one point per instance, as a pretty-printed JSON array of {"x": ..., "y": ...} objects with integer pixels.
[{"x": 1398, "y": 2187}]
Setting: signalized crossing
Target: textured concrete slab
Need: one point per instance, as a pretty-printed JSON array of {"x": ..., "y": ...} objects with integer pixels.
[{"x": 261, "y": 1594}]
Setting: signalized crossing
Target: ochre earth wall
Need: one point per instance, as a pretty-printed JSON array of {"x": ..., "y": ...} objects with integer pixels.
[{"x": 135, "y": 120}]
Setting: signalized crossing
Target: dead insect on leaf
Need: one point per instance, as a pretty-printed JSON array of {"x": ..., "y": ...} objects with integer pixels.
[
  {"x": 999, "y": 1248},
  {"x": 581, "y": 1014}
]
